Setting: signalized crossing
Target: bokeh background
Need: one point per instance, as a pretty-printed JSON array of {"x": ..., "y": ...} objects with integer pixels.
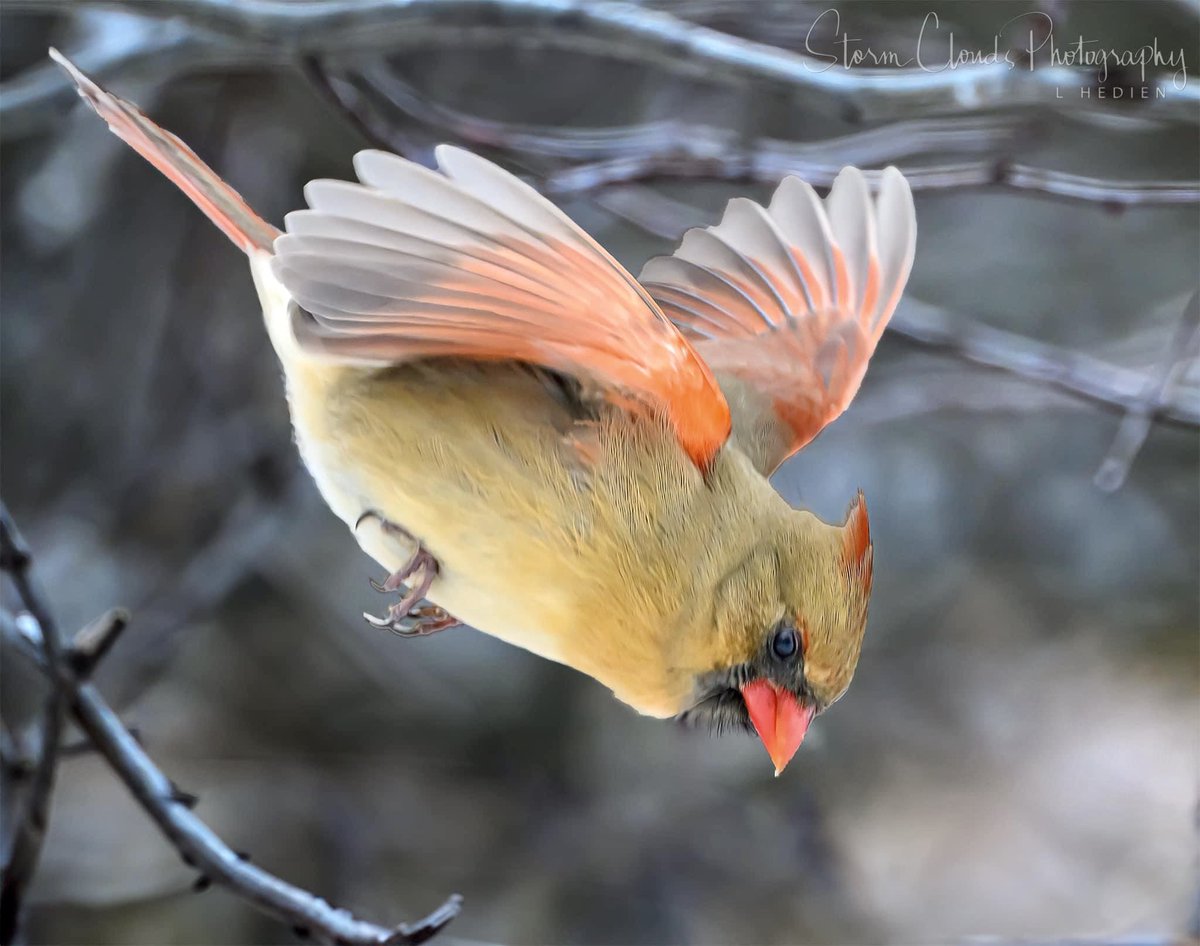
[{"x": 1018, "y": 755}]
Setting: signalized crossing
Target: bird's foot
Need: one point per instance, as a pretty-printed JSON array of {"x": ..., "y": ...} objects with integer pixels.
[
  {"x": 408, "y": 617},
  {"x": 420, "y": 621}
]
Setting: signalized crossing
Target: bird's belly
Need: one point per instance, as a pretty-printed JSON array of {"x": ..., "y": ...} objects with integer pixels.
[
  {"x": 484, "y": 580},
  {"x": 471, "y": 464}
]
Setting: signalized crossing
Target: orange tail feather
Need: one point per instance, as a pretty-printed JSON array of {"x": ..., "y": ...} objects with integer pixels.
[{"x": 223, "y": 205}]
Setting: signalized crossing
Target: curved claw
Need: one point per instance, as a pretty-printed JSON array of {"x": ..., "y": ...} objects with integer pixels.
[
  {"x": 383, "y": 623},
  {"x": 423, "y": 621},
  {"x": 418, "y": 622},
  {"x": 407, "y": 618}
]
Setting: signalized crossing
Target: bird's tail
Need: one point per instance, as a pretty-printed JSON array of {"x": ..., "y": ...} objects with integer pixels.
[{"x": 223, "y": 205}]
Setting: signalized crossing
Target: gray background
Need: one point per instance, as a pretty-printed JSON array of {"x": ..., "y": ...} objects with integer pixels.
[{"x": 1018, "y": 753}]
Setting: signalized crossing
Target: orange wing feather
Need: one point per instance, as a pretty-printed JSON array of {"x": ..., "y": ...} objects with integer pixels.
[
  {"x": 791, "y": 300},
  {"x": 472, "y": 262}
]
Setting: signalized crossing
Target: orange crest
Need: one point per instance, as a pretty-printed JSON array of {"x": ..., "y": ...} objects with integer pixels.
[{"x": 856, "y": 538}]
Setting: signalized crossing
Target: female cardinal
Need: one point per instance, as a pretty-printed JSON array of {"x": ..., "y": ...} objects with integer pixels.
[{"x": 563, "y": 456}]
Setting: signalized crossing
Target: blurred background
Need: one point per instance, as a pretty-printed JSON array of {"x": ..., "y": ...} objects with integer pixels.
[{"x": 1018, "y": 755}]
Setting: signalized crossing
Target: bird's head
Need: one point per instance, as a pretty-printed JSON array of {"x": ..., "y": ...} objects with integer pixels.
[{"x": 790, "y": 622}]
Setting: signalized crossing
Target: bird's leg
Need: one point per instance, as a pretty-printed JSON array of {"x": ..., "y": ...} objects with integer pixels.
[{"x": 408, "y": 617}]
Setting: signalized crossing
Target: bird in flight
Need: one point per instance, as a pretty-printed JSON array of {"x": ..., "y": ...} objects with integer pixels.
[{"x": 535, "y": 443}]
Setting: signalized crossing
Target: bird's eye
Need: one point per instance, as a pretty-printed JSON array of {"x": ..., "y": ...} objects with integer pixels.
[{"x": 783, "y": 644}]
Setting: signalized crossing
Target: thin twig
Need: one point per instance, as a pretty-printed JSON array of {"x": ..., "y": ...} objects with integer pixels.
[
  {"x": 643, "y": 207},
  {"x": 903, "y": 395},
  {"x": 682, "y": 138},
  {"x": 1183, "y": 349},
  {"x": 1093, "y": 379},
  {"x": 758, "y": 167},
  {"x": 650, "y": 210},
  {"x": 197, "y": 844},
  {"x": 213, "y": 569},
  {"x": 666, "y": 151},
  {"x": 30, "y": 831},
  {"x": 95, "y": 639},
  {"x": 785, "y": 23},
  {"x": 14, "y": 755}
]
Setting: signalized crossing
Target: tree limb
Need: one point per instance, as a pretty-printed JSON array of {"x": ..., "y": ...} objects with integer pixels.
[
  {"x": 624, "y": 31},
  {"x": 30, "y": 831},
  {"x": 1084, "y": 376},
  {"x": 196, "y": 843},
  {"x": 665, "y": 151},
  {"x": 891, "y": 142},
  {"x": 768, "y": 168},
  {"x": 1183, "y": 349}
]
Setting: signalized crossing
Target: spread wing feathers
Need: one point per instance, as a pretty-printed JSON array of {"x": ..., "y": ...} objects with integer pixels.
[
  {"x": 472, "y": 262},
  {"x": 791, "y": 300}
]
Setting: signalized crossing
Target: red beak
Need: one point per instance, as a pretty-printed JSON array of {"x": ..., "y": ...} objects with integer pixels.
[{"x": 778, "y": 718}]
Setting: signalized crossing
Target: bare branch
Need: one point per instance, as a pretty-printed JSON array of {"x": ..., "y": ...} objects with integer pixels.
[
  {"x": 197, "y": 844},
  {"x": 685, "y": 139},
  {"x": 15, "y": 559},
  {"x": 95, "y": 640},
  {"x": 765, "y": 167},
  {"x": 624, "y": 31},
  {"x": 649, "y": 210},
  {"x": 212, "y": 570},
  {"x": 903, "y": 395},
  {"x": 30, "y": 831},
  {"x": 1095, "y": 380},
  {"x": 1184, "y": 348},
  {"x": 661, "y": 151}
]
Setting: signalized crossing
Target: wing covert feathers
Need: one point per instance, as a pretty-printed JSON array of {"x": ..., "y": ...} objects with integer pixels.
[
  {"x": 791, "y": 300},
  {"x": 472, "y": 262}
]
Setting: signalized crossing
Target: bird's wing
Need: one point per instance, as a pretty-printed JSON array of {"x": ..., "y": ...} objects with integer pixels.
[
  {"x": 787, "y": 303},
  {"x": 471, "y": 262}
]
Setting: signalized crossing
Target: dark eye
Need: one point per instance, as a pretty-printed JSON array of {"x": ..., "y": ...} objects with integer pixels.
[{"x": 783, "y": 644}]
